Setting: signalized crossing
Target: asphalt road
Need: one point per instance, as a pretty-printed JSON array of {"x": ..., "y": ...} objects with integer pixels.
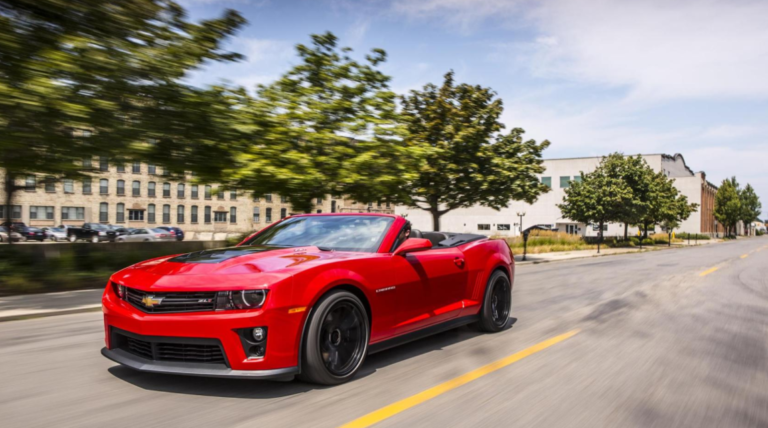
[{"x": 658, "y": 344}]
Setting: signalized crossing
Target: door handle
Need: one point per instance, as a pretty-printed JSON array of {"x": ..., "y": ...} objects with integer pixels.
[{"x": 459, "y": 261}]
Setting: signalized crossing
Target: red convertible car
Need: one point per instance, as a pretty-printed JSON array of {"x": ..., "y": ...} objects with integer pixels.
[{"x": 310, "y": 295}]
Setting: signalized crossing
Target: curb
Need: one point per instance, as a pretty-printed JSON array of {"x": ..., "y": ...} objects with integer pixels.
[{"x": 90, "y": 308}]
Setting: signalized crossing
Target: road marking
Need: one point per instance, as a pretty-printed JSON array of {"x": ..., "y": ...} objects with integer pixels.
[
  {"x": 708, "y": 271},
  {"x": 744, "y": 256},
  {"x": 405, "y": 404}
]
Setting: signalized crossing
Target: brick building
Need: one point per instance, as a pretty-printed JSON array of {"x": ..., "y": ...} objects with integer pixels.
[{"x": 141, "y": 195}]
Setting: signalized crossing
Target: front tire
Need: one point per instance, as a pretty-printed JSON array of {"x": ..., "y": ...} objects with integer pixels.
[
  {"x": 497, "y": 304},
  {"x": 95, "y": 240},
  {"x": 336, "y": 341},
  {"x": 72, "y": 238}
]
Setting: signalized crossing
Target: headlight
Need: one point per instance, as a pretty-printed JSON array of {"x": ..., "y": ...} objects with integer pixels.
[
  {"x": 119, "y": 290},
  {"x": 241, "y": 299}
]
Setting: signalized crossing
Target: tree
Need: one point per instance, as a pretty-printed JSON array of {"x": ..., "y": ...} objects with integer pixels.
[
  {"x": 468, "y": 159},
  {"x": 638, "y": 176},
  {"x": 664, "y": 204},
  {"x": 750, "y": 206},
  {"x": 101, "y": 78},
  {"x": 329, "y": 126},
  {"x": 728, "y": 209},
  {"x": 600, "y": 197}
]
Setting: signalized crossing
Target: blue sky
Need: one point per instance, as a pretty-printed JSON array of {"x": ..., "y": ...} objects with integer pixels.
[{"x": 592, "y": 76}]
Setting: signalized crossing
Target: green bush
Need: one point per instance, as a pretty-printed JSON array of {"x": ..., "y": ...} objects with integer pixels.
[
  {"x": 760, "y": 233},
  {"x": 648, "y": 241},
  {"x": 697, "y": 236},
  {"x": 621, "y": 244}
]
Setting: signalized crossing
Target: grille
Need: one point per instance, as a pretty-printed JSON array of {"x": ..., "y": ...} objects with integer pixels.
[
  {"x": 173, "y": 301},
  {"x": 158, "y": 350}
]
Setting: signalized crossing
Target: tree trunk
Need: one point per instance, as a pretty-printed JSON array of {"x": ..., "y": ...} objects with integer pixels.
[
  {"x": 10, "y": 188},
  {"x": 436, "y": 219},
  {"x": 645, "y": 230},
  {"x": 626, "y": 231},
  {"x": 600, "y": 236}
]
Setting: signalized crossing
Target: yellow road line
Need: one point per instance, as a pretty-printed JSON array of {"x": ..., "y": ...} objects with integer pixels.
[
  {"x": 744, "y": 256},
  {"x": 708, "y": 271},
  {"x": 407, "y": 403}
]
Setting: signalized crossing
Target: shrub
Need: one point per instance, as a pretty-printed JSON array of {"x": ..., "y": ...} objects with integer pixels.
[
  {"x": 621, "y": 244},
  {"x": 697, "y": 236},
  {"x": 544, "y": 241},
  {"x": 648, "y": 241},
  {"x": 760, "y": 232}
]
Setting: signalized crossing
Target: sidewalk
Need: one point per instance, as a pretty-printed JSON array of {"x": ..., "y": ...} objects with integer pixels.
[
  {"x": 41, "y": 305},
  {"x": 569, "y": 255}
]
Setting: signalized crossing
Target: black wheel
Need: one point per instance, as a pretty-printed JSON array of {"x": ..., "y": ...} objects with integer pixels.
[
  {"x": 494, "y": 315},
  {"x": 336, "y": 340}
]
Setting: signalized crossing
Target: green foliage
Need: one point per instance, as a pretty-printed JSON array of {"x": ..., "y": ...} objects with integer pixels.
[
  {"x": 547, "y": 242},
  {"x": 113, "y": 69},
  {"x": 648, "y": 241},
  {"x": 728, "y": 210},
  {"x": 750, "y": 205},
  {"x": 692, "y": 236},
  {"x": 329, "y": 126},
  {"x": 601, "y": 196},
  {"x": 469, "y": 160},
  {"x": 760, "y": 233}
]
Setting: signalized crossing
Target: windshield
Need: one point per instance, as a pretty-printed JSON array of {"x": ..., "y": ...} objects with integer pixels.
[
  {"x": 97, "y": 226},
  {"x": 340, "y": 233}
]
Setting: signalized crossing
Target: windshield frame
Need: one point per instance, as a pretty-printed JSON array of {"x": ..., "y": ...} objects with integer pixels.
[{"x": 373, "y": 248}]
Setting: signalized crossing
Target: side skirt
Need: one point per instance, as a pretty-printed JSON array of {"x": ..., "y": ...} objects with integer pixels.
[{"x": 419, "y": 334}]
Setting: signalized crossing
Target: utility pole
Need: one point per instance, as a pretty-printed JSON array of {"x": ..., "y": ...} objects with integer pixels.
[{"x": 525, "y": 235}]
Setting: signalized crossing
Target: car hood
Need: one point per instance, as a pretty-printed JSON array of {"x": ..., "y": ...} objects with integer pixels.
[{"x": 226, "y": 268}]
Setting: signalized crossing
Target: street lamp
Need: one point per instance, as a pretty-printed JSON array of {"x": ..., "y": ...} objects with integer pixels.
[{"x": 525, "y": 235}]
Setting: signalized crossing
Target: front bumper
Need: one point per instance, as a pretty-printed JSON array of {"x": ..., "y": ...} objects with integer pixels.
[{"x": 190, "y": 369}]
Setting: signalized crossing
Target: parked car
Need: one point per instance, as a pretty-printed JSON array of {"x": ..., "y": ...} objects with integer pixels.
[
  {"x": 13, "y": 226},
  {"x": 310, "y": 295},
  {"x": 32, "y": 234},
  {"x": 177, "y": 233},
  {"x": 93, "y": 232},
  {"x": 119, "y": 230},
  {"x": 5, "y": 235},
  {"x": 146, "y": 235},
  {"x": 55, "y": 233}
]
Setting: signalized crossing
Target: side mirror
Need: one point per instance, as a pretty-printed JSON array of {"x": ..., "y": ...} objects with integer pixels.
[{"x": 413, "y": 245}]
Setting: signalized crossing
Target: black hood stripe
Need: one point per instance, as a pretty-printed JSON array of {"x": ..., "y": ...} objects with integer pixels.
[{"x": 219, "y": 255}]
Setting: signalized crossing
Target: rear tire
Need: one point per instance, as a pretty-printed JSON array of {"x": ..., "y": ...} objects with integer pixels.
[
  {"x": 336, "y": 341},
  {"x": 497, "y": 303},
  {"x": 53, "y": 239}
]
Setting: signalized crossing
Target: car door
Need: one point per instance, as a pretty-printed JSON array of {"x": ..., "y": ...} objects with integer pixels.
[{"x": 430, "y": 287}]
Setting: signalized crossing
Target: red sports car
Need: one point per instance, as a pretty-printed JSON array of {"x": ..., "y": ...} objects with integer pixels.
[{"x": 310, "y": 295}]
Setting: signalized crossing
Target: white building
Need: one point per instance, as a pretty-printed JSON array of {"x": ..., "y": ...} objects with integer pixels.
[{"x": 558, "y": 175}]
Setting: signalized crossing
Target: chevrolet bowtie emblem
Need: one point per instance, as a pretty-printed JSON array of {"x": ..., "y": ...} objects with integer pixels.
[{"x": 150, "y": 301}]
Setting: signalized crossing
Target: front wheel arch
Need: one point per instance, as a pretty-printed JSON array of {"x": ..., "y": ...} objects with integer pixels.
[{"x": 311, "y": 310}]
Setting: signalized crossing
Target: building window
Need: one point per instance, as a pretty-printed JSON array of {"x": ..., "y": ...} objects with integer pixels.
[
  {"x": 547, "y": 181},
  {"x": 180, "y": 191},
  {"x": 87, "y": 186},
  {"x": 120, "y": 213},
  {"x": 268, "y": 197},
  {"x": 194, "y": 191},
  {"x": 120, "y": 187},
  {"x": 483, "y": 227},
  {"x": 255, "y": 198},
  {"x": 207, "y": 215},
  {"x": 104, "y": 212},
  {"x": 50, "y": 185},
  {"x": 233, "y": 215},
  {"x": 87, "y": 163},
  {"x": 166, "y": 171},
  {"x": 220, "y": 217},
  {"x": 233, "y": 195},
  {"x": 120, "y": 167},
  {"x": 565, "y": 182},
  {"x": 15, "y": 211},
  {"x": 256, "y": 216},
  {"x": 40, "y": 213},
  {"x": 151, "y": 189},
  {"x": 104, "y": 186},
  {"x": 30, "y": 183},
  {"x": 319, "y": 211},
  {"x": 72, "y": 213},
  {"x": 69, "y": 186},
  {"x": 207, "y": 192},
  {"x": 502, "y": 227},
  {"x": 151, "y": 168},
  {"x": 193, "y": 214},
  {"x": 180, "y": 214},
  {"x": 268, "y": 215},
  {"x": 166, "y": 190},
  {"x": 283, "y": 199},
  {"x": 137, "y": 168},
  {"x": 220, "y": 193},
  {"x": 577, "y": 178},
  {"x": 136, "y": 188},
  {"x": 135, "y": 215},
  {"x": 166, "y": 213},
  {"x": 333, "y": 206},
  {"x": 151, "y": 213},
  {"x": 103, "y": 163},
  {"x": 320, "y": 201},
  {"x": 283, "y": 213}
]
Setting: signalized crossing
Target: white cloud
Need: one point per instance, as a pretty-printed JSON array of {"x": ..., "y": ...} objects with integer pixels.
[{"x": 356, "y": 33}]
